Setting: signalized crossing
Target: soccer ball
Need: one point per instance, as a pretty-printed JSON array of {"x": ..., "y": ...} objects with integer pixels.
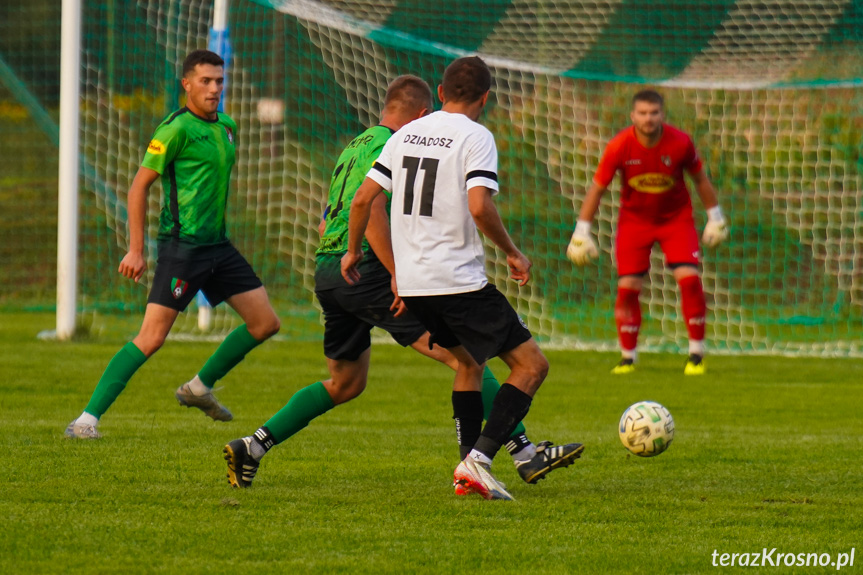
[{"x": 646, "y": 428}]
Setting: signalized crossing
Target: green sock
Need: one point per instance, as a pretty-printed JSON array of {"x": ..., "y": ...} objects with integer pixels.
[
  {"x": 304, "y": 406},
  {"x": 490, "y": 386},
  {"x": 120, "y": 369},
  {"x": 232, "y": 351}
]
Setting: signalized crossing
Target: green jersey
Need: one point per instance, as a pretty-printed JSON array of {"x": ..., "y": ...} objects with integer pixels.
[
  {"x": 194, "y": 157},
  {"x": 353, "y": 164}
]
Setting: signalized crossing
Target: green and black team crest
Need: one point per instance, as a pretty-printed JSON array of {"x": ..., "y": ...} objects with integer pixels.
[{"x": 178, "y": 287}]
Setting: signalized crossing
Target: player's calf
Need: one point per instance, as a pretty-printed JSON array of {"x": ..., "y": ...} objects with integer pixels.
[{"x": 529, "y": 367}]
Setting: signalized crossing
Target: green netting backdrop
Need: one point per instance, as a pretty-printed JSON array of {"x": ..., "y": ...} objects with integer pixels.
[{"x": 771, "y": 91}]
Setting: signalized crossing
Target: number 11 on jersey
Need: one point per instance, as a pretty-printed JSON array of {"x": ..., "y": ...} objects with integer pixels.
[{"x": 413, "y": 165}]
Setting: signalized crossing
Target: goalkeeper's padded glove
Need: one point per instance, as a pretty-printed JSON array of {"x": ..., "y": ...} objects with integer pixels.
[
  {"x": 581, "y": 248},
  {"x": 716, "y": 230}
]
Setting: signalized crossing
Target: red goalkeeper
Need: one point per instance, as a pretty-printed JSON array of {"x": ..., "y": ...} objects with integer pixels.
[{"x": 654, "y": 207}]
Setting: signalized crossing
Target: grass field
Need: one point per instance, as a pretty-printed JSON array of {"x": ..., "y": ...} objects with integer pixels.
[{"x": 767, "y": 454}]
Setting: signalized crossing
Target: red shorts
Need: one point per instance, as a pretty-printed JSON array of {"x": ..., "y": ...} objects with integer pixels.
[{"x": 635, "y": 238}]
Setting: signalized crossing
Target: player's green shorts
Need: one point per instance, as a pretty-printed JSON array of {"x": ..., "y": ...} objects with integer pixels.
[{"x": 181, "y": 271}]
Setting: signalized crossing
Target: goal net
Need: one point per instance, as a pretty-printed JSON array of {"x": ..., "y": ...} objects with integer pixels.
[{"x": 770, "y": 91}]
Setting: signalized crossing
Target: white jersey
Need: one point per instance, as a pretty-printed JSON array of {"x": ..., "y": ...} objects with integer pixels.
[{"x": 429, "y": 165}]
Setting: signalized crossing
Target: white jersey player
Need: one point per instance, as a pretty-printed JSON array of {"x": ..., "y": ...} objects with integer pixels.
[
  {"x": 430, "y": 164},
  {"x": 442, "y": 171}
]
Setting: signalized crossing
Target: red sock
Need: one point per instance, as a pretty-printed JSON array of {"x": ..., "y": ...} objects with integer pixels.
[
  {"x": 694, "y": 307},
  {"x": 627, "y": 314}
]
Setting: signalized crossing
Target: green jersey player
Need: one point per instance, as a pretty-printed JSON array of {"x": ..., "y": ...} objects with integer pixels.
[
  {"x": 350, "y": 312},
  {"x": 193, "y": 151}
]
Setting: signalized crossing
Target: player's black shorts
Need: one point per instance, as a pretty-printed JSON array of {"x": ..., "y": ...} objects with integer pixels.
[
  {"x": 482, "y": 321},
  {"x": 218, "y": 271},
  {"x": 350, "y": 312}
]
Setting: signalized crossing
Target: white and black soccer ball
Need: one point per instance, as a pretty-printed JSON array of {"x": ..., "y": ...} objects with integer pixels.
[{"x": 646, "y": 428}]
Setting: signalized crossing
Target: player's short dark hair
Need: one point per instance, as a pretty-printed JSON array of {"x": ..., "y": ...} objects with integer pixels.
[
  {"x": 650, "y": 96},
  {"x": 200, "y": 57},
  {"x": 466, "y": 79},
  {"x": 410, "y": 92}
]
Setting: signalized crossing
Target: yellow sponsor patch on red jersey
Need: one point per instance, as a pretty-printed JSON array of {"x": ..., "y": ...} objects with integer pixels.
[
  {"x": 156, "y": 147},
  {"x": 652, "y": 183}
]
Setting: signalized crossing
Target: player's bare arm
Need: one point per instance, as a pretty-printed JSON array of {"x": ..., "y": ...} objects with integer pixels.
[
  {"x": 591, "y": 202},
  {"x": 705, "y": 190},
  {"x": 716, "y": 230},
  {"x": 487, "y": 219},
  {"x": 378, "y": 233},
  {"x": 378, "y": 236},
  {"x": 133, "y": 264},
  {"x": 361, "y": 209}
]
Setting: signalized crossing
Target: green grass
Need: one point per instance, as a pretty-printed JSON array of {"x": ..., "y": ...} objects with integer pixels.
[{"x": 767, "y": 454}]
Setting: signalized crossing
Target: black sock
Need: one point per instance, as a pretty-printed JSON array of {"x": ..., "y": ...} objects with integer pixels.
[
  {"x": 509, "y": 407},
  {"x": 264, "y": 438},
  {"x": 467, "y": 413},
  {"x": 517, "y": 443}
]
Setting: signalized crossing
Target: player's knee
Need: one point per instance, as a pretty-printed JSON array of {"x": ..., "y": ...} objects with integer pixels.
[
  {"x": 450, "y": 361},
  {"x": 148, "y": 343},
  {"x": 265, "y": 329},
  {"x": 532, "y": 372},
  {"x": 540, "y": 369},
  {"x": 275, "y": 326},
  {"x": 687, "y": 271},
  {"x": 344, "y": 394},
  {"x": 473, "y": 368},
  {"x": 343, "y": 389},
  {"x": 630, "y": 282}
]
